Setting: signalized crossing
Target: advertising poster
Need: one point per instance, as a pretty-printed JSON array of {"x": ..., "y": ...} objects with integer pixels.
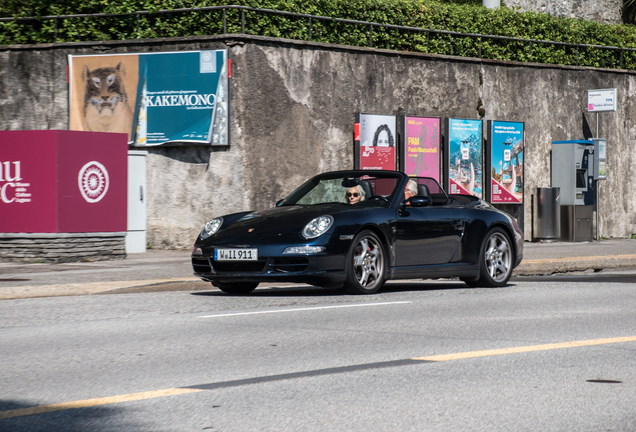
[
  {"x": 421, "y": 151},
  {"x": 375, "y": 142},
  {"x": 465, "y": 160},
  {"x": 155, "y": 98},
  {"x": 506, "y": 153},
  {"x": 55, "y": 181}
]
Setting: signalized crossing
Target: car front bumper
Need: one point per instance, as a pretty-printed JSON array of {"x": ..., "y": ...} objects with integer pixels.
[{"x": 320, "y": 270}]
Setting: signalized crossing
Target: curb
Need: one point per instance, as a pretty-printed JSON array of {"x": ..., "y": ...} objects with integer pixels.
[{"x": 542, "y": 267}]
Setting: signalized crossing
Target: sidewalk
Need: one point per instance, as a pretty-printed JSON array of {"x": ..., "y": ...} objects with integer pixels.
[{"x": 171, "y": 270}]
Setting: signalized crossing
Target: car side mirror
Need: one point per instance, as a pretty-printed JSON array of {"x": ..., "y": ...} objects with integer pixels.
[
  {"x": 419, "y": 201},
  {"x": 279, "y": 202}
]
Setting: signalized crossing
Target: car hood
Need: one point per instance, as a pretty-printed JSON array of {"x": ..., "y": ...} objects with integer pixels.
[{"x": 277, "y": 221}]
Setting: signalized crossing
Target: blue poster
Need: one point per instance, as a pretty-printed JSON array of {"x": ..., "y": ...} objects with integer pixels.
[
  {"x": 506, "y": 162},
  {"x": 465, "y": 157},
  {"x": 183, "y": 98}
]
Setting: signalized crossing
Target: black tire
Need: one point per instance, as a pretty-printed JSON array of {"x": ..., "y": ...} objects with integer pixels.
[
  {"x": 236, "y": 288},
  {"x": 495, "y": 260},
  {"x": 366, "y": 264}
]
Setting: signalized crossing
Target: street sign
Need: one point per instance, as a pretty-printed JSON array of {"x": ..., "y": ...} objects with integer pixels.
[{"x": 601, "y": 100}]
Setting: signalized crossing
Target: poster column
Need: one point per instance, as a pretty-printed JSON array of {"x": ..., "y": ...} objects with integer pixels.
[
  {"x": 464, "y": 159},
  {"x": 506, "y": 145},
  {"x": 375, "y": 142},
  {"x": 420, "y": 148}
]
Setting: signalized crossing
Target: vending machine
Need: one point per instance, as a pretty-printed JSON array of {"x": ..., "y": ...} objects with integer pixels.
[{"x": 573, "y": 173}]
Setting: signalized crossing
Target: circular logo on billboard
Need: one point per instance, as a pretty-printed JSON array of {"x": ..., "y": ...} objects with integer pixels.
[{"x": 93, "y": 181}]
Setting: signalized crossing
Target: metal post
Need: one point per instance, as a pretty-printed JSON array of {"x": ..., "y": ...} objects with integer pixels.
[
  {"x": 138, "y": 32},
  {"x": 55, "y": 26},
  {"x": 309, "y": 28},
  {"x": 370, "y": 35},
  {"x": 224, "y": 21},
  {"x": 597, "y": 124},
  {"x": 529, "y": 49},
  {"x": 621, "y": 65},
  {"x": 598, "y": 231},
  {"x": 480, "y": 47},
  {"x": 243, "y": 21}
]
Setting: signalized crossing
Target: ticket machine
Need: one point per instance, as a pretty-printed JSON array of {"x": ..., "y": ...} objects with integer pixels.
[{"x": 573, "y": 173}]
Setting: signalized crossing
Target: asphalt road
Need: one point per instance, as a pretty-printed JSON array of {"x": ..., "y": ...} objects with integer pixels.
[{"x": 544, "y": 354}]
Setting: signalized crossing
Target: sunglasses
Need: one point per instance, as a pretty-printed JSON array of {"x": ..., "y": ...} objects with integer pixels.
[{"x": 355, "y": 194}]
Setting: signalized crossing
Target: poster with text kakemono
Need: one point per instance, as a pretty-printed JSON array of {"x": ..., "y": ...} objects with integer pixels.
[
  {"x": 506, "y": 162},
  {"x": 156, "y": 98},
  {"x": 421, "y": 152},
  {"x": 465, "y": 157},
  {"x": 375, "y": 142}
]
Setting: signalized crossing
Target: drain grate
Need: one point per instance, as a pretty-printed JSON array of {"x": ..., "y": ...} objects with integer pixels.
[{"x": 603, "y": 381}]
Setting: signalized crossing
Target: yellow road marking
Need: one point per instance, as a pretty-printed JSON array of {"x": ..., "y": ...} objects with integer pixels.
[
  {"x": 94, "y": 402},
  {"x": 177, "y": 391},
  {"x": 517, "y": 350}
]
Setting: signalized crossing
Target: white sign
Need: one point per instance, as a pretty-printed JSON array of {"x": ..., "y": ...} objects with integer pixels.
[{"x": 601, "y": 100}]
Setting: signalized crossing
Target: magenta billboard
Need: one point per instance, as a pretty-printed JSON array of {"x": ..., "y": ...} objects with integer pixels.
[
  {"x": 63, "y": 181},
  {"x": 420, "y": 150}
]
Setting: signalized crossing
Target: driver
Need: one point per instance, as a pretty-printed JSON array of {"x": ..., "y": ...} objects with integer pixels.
[
  {"x": 410, "y": 190},
  {"x": 354, "y": 195}
]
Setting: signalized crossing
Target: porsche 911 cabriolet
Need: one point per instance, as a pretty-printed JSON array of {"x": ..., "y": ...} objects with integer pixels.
[{"x": 356, "y": 230}]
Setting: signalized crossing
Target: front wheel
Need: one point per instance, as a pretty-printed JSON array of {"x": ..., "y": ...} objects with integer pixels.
[
  {"x": 236, "y": 288},
  {"x": 495, "y": 259},
  {"x": 366, "y": 264}
]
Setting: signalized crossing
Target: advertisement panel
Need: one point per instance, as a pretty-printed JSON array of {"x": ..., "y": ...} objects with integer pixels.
[
  {"x": 375, "y": 142},
  {"x": 464, "y": 157},
  {"x": 63, "y": 182},
  {"x": 421, "y": 147},
  {"x": 155, "y": 98},
  {"x": 506, "y": 162}
]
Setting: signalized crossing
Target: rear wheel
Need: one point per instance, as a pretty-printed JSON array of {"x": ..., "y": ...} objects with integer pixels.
[
  {"x": 366, "y": 264},
  {"x": 236, "y": 288},
  {"x": 495, "y": 260}
]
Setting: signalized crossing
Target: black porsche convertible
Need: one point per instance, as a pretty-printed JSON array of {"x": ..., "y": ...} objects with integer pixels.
[{"x": 357, "y": 229}]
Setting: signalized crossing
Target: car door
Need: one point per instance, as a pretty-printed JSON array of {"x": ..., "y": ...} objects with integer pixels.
[{"x": 427, "y": 235}]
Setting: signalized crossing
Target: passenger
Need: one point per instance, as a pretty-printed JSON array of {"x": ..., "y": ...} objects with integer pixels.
[
  {"x": 410, "y": 190},
  {"x": 354, "y": 195}
]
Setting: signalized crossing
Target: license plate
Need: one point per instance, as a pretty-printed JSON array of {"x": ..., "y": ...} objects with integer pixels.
[{"x": 235, "y": 254}]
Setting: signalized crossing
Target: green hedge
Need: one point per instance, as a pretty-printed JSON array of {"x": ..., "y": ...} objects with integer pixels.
[{"x": 466, "y": 16}]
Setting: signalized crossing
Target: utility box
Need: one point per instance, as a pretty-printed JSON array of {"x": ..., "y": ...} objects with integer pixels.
[
  {"x": 136, "y": 236},
  {"x": 573, "y": 174}
]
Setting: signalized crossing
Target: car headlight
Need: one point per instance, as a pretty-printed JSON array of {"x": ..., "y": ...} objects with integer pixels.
[
  {"x": 211, "y": 227},
  {"x": 317, "y": 226}
]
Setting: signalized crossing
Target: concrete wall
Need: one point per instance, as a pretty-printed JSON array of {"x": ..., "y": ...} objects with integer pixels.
[
  {"x": 292, "y": 114},
  {"x": 606, "y": 11}
]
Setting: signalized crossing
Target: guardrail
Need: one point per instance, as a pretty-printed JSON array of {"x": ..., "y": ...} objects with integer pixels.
[{"x": 482, "y": 40}]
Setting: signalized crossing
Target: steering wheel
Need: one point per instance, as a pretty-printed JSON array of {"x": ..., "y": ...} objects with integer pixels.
[{"x": 379, "y": 197}]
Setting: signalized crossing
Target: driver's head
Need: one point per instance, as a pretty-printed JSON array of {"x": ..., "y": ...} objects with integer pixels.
[
  {"x": 410, "y": 189},
  {"x": 354, "y": 195}
]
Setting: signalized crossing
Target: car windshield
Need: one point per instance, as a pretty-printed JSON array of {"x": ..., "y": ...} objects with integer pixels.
[{"x": 376, "y": 189}]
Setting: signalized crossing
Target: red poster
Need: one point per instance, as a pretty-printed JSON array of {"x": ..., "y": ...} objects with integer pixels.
[{"x": 63, "y": 182}]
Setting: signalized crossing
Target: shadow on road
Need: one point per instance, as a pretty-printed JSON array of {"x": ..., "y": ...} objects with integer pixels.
[{"x": 95, "y": 419}]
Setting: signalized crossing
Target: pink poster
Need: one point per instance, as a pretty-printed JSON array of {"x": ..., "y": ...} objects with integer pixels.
[{"x": 421, "y": 147}]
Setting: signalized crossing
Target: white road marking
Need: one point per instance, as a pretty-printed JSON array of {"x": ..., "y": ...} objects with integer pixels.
[{"x": 303, "y": 309}]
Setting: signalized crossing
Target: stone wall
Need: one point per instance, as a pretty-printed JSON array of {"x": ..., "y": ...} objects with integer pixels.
[
  {"x": 292, "y": 114},
  {"x": 605, "y": 11},
  {"x": 64, "y": 247}
]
